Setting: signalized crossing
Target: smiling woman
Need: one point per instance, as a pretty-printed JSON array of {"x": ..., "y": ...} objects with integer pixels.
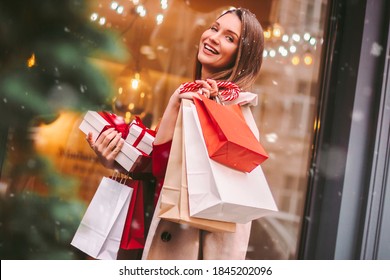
[
  {"x": 224, "y": 49},
  {"x": 237, "y": 37},
  {"x": 218, "y": 45}
]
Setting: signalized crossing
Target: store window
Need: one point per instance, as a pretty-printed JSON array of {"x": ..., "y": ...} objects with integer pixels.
[{"x": 128, "y": 57}]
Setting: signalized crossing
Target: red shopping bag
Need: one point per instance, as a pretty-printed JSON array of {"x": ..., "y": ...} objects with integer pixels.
[
  {"x": 228, "y": 138},
  {"x": 133, "y": 236}
]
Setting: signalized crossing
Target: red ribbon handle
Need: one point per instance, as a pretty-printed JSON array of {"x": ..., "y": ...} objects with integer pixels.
[{"x": 228, "y": 90}]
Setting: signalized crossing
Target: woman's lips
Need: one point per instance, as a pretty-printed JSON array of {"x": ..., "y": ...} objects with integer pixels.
[{"x": 210, "y": 49}]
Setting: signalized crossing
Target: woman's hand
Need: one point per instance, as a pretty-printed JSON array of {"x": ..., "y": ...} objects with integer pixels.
[
  {"x": 176, "y": 97},
  {"x": 107, "y": 146},
  {"x": 166, "y": 128},
  {"x": 209, "y": 87}
]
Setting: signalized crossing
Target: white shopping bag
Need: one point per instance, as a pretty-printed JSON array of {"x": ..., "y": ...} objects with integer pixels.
[
  {"x": 100, "y": 231},
  {"x": 219, "y": 192}
]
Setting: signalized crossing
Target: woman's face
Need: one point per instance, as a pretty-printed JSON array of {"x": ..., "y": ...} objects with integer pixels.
[{"x": 219, "y": 44}]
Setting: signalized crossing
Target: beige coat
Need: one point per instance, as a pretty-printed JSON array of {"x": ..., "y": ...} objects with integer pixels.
[{"x": 168, "y": 240}]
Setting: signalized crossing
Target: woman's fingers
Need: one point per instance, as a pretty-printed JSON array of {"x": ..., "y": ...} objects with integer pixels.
[
  {"x": 90, "y": 139},
  {"x": 107, "y": 146},
  {"x": 208, "y": 88},
  {"x": 189, "y": 95},
  {"x": 106, "y": 142},
  {"x": 111, "y": 141},
  {"x": 105, "y": 137},
  {"x": 213, "y": 87},
  {"x": 115, "y": 147}
]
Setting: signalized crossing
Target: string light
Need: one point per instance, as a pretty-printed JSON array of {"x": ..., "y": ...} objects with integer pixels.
[
  {"x": 120, "y": 10},
  {"x": 141, "y": 10},
  {"x": 31, "y": 61},
  {"x": 308, "y": 59},
  {"x": 295, "y": 60},
  {"x": 135, "y": 81},
  {"x": 102, "y": 20},
  {"x": 164, "y": 4},
  {"x": 296, "y": 37},
  {"x": 293, "y": 49},
  {"x": 138, "y": 8},
  {"x": 283, "y": 45},
  {"x": 114, "y": 5},
  {"x": 285, "y": 38},
  {"x": 267, "y": 34},
  {"x": 276, "y": 30},
  {"x": 159, "y": 18},
  {"x": 94, "y": 16},
  {"x": 290, "y": 46}
]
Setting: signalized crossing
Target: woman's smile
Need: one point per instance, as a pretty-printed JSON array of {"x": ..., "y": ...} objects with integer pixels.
[{"x": 207, "y": 48}]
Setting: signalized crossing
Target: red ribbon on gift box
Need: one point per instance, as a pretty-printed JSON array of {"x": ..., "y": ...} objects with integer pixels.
[
  {"x": 227, "y": 90},
  {"x": 116, "y": 122},
  {"x": 137, "y": 121}
]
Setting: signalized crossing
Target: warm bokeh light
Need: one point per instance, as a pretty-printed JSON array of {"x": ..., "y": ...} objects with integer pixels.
[
  {"x": 267, "y": 34},
  {"x": 31, "y": 61},
  {"x": 277, "y": 31},
  {"x": 308, "y": 59},
  {"x": 295, "y": 60}
]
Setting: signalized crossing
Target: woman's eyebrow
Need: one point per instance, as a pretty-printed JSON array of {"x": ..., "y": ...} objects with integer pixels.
[
  {"x": 233, "y": 33},
  {"x": 228, "y": 30}
]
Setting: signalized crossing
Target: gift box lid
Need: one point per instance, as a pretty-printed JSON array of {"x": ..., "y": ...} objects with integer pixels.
[{"x": 96, "y": 120}]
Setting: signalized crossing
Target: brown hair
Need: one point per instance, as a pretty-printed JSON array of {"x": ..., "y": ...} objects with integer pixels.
[{"x": 249, "y": 57}]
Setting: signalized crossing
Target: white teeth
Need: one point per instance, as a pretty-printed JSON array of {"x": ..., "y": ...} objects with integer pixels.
[{"x": 210, "y": 49}]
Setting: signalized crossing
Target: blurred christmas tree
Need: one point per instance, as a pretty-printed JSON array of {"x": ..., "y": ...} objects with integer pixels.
[{"x": 45, "y": 47}]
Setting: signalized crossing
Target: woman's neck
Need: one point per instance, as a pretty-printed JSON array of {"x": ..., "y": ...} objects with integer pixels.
[{"x": 205, "y": 75}]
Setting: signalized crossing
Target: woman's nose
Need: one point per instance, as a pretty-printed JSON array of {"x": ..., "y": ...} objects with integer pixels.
[{"x": 215, "y": 38}]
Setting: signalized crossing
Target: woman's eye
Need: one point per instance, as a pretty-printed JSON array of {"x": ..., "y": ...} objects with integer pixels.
[
  {"x": 214, "y": 28},
  {"x": 230, "y": 39}
]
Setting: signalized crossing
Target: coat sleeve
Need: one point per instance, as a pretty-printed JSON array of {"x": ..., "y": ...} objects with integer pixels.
[{"x": 160, "y": 157}]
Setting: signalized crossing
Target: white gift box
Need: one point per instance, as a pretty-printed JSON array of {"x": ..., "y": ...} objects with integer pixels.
[
  {"x": 129, "y": 157},
  {"x": 93, "y": 122},
  {"x": 146, "y": 142}
]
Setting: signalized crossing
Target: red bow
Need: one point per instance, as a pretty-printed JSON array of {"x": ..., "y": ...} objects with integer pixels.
[
  {"x": 137, "y": 121},
  {"x": 116, "y": 122},
  {"x": 230, "y": 91}
]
